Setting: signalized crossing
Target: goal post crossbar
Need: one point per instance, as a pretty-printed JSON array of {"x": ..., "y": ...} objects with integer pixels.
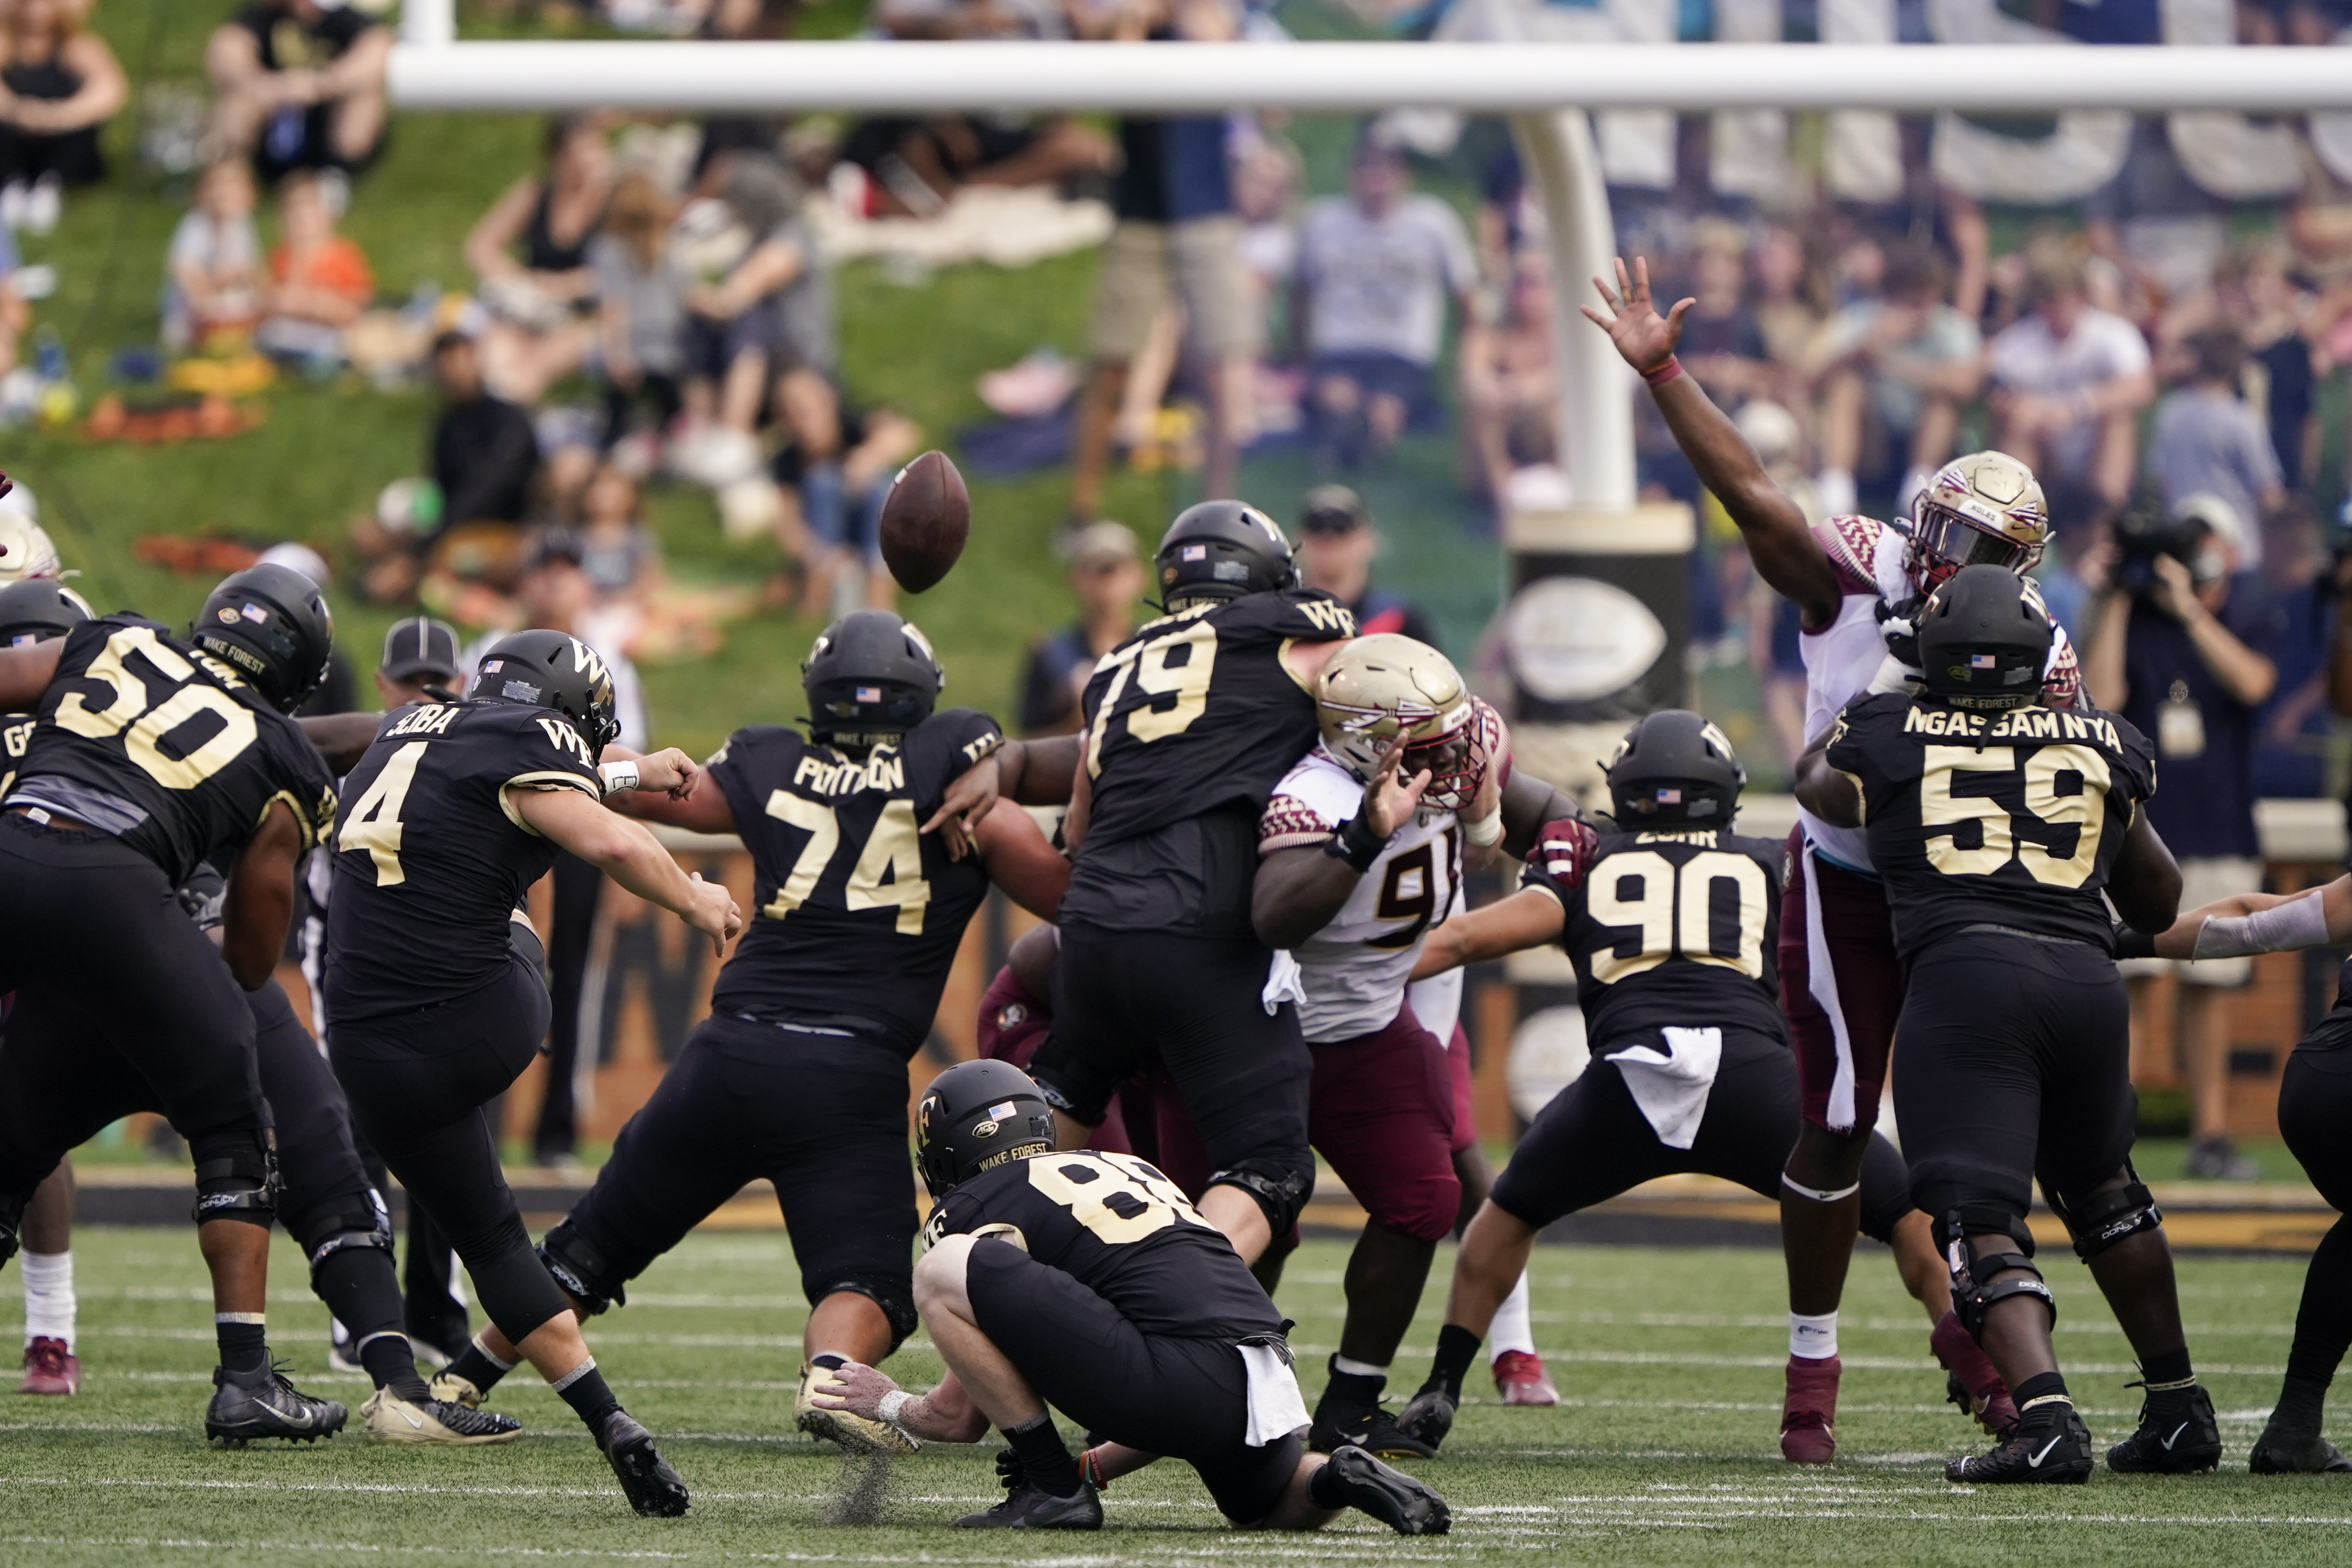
[{"x": 873, "y": 77}]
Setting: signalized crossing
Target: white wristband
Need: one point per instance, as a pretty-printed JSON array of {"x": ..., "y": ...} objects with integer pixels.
[
  {"x": 2300, "y": 922},
  {"x": 618, "y": 775},
  {"x": 890, "y": 1404},
  {"x": 1484, "y": 831}
]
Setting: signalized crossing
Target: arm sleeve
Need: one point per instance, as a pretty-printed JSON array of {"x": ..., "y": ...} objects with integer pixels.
[{"x": 1289, "y": 824}]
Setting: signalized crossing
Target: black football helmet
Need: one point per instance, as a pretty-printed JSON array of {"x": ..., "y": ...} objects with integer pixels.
[
  {"x": 1674, "y": 769},
  {"x": 1984, "y": 640},
  {"x": 556, "y": 671},
  {"x": 1222, "y": 549},
  {"x": 39, "y": 608},
  {"x": 977, "y": 1116},
  {"x": 272, "y": 623},
  {"x": 869, "y": 678}
]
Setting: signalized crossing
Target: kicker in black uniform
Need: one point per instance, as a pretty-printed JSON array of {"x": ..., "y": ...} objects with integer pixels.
[
  {"x": 1190, "y": 725},
  {"x": 832, "y": 989},
  {"x": 149, "y": 755},
  {"x": 1085, "y": 1282},
  {"x": 1997, "y": 823},
  {"x": 1671, "y": 920},
  {"x": 436, "y": 998}
]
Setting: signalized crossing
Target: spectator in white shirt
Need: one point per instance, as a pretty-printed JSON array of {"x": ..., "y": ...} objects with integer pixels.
[
  {"x": 1375, "y": 272},
  {"x": 2069, "y": 381}
]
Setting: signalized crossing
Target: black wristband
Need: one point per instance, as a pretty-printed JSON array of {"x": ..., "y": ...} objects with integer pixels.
[
  {"x": 2131, "y": 944},
  {"x": 1356, "y": 843}
]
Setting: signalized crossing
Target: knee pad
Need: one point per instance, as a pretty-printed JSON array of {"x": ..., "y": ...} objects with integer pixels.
[
  {"x": 240, "y": 1183},
  {"x": 895, "y": 1297},
  {"x": 1958, "y": 1225},
  {"x": 584, "y": 1272},
  {"x": 1971, "y": 1300},
  {"x": 1281, "y": 1188},
  {"x": 368, "y": 1228},
  {"x": 2106, "y": 1218}
]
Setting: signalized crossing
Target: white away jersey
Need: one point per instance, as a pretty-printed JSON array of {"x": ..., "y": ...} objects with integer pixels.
[
  {"x": 1842, "y": 658},
  {"x": 1354, "y": 970}
]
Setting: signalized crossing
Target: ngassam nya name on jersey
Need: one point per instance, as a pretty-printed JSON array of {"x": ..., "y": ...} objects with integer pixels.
[{"x": 2017, "y": 724}]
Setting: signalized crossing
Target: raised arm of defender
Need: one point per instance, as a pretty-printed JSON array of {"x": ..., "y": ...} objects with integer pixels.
[{"x": 1778, "y": 541}]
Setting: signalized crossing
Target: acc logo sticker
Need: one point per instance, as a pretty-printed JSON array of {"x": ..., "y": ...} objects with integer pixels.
[
  {"x": 983, "y": 1129},
  {"x": 227, "y": 616}
]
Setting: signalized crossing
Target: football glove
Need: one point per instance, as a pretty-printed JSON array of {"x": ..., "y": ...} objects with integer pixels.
[{"x": 1565, "y": 851}]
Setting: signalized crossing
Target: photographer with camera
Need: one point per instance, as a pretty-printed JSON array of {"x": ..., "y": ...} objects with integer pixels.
[{"x": 2179, "y": 649}]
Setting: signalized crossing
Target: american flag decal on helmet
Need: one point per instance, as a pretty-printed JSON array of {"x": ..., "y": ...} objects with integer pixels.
[{"x": 869, "y": 694}]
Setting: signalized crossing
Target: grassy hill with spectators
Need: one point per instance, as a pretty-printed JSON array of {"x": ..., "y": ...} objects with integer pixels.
[{"x": 326, "y": 448}]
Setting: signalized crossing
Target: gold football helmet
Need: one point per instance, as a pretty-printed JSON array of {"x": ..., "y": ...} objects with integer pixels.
[
  {"x": 1378, "y": 687},
  {"x": 25, "y": 549},
  {"x": 1983, "y": 509}
]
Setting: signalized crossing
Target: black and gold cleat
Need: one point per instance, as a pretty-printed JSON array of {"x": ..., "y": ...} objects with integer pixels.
[{"x": 1405, "y": 1505}]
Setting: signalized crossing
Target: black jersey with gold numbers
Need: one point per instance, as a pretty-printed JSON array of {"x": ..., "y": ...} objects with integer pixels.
[
  {"x": 431, "y": 859},
  {"x": 1993, "y": 819},
  {"x": 1123, "y": 1231},
  {"x": 1674, "y": 928},
  {"x": 1190, "y": 725},
  {"x": 15, "y": 734},
  {"x": 858, "y": 913},
  {"x": 167, "y": 749}
]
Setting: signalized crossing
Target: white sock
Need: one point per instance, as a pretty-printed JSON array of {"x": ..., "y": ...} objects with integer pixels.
[
  {"x": 1357, "y": 1368},
  {"x": 49, "y": 1306},
  {"x": 1813, "y": 1338},
  {"x": 1510, "y": 1330},
  {"x": 1835, "y": 488}
]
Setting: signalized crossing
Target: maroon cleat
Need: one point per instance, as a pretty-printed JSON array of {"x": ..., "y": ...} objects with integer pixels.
[
  {"x": 1520, "y": 1379},
  {"x": 1808, "y": 1413},
  {"x": 50, "y": 1368},
  {"x": 1972, "y": 1381}
]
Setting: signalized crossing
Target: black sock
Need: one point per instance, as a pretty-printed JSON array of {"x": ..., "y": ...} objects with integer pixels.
[
  {"x": 591, "y": 1398},
  {"x": 1043, "y": 1459},
  {"x": 1352, "y": 1390},
  {"x": 2301, "y": 1404},
  {"x": 2038, "y": 1387},
  {"x": 2172, "y": 1366},
  {"x": 1323, "y": 1488},
  {"x": 2322, "y": 1323},
  {"x": 474, "y": 1364},
  {"x": 391, "y": 1363},
  {"x": 243, "y": 1347},
  {"x": 1457, "y": 1347}
]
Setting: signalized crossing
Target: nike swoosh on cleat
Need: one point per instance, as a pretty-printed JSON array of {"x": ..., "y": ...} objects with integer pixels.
[
  {"x": 411, "y": 1416},
  {"x": 2175, "y": 1437},
  {"x": 2033, "y": 1461}
]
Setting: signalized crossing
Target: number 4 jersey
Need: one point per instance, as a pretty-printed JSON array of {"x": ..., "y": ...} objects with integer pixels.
[
  {"x": 1190, "y": 723},
  {"x": 1674, "y": 930},
  {"x": 1993, "y": 819},
  {"x": 858, "y": 913},
  {"x": 432, "y": 859},
  {"x": 165, "y": 747}
]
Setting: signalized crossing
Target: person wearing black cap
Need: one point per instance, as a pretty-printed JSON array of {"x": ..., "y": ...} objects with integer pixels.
[{"x": 1336, "y": 546}]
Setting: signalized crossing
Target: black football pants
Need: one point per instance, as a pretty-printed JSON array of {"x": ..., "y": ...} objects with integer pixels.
[
  {"x": 418, "y": 1083},
  {"x": 823, "y": 1117},
  {"x": 2013, "y": 1063},
  {"x": 2315, "y": 1114},
  {"x": 1121, "y": 997},
  {"x": 1591, "y": 1142},
  {"x": 122, "y": 1004}
]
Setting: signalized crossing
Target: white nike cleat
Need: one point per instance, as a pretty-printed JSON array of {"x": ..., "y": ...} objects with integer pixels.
[{"x": 388, "y": 1419}]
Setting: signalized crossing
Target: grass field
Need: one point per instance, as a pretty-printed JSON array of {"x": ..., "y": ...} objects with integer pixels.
[{"x": 1662, "y": 1452}]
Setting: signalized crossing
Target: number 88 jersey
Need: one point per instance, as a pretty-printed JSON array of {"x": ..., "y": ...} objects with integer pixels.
[{"x": 1675, "y": 929}]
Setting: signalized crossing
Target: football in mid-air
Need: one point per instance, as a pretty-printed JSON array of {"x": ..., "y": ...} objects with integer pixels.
[{"x": 926, "y": 518}]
